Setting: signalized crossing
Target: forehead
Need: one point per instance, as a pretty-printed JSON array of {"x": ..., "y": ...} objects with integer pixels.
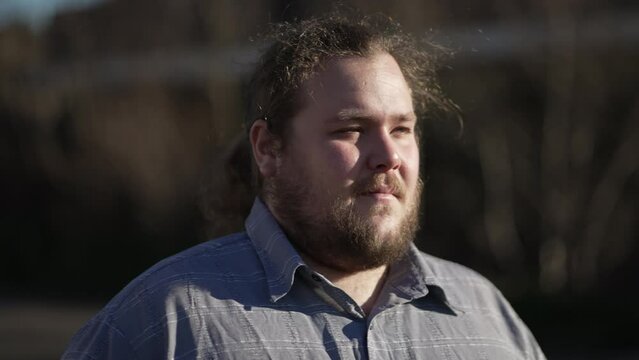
[{"x": 374, "y": 83}]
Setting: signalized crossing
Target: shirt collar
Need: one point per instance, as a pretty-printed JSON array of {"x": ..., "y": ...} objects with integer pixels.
[
  {"x": 413, "y": 277},
  {"x": 279, "y": 258},
  {"x": 410, "y": 278}
]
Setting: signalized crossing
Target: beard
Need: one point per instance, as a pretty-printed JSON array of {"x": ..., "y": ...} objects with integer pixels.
[{"x": 336, "y": 235}]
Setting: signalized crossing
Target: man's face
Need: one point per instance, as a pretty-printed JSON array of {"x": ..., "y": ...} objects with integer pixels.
[{"x": 347, "y": 185}]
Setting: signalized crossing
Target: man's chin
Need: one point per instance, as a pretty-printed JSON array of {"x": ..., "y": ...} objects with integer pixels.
[
  {"x": 383, "y": 219},
  {"x": 384, "y": 225},
  {"x": 383, "y": 209}
]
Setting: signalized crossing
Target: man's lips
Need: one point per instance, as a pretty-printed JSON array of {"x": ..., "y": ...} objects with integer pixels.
[
  {"x": 381, "y": 187},
  {"x": 382, "y": 193},
  {"x": 381, "y": 196}
]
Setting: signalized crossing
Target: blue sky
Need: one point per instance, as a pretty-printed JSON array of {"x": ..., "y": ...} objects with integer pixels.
[{"x": 37, "y": 13}]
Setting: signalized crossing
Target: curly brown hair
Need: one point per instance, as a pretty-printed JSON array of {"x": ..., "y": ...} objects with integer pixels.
[
  {"x": 298, "y": 50},
  {"x": 295, "y": 53}
]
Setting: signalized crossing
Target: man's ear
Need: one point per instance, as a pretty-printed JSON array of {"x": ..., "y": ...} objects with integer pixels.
[{"x": 264, "y": 145}]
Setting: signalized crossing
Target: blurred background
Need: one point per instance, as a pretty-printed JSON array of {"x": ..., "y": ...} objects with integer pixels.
[{"x": 116, "y": 120}]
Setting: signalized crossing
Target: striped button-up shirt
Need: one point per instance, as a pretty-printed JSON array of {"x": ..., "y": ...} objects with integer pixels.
[{"x": 251, "y": 296}]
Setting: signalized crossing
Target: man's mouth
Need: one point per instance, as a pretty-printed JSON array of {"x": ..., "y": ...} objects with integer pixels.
[
  {"x": 382, "y": 188},
  {"x": 382, "y": 193}
]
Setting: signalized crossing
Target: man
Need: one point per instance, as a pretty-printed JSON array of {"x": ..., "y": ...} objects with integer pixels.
[{"x": 326, "y": 268}]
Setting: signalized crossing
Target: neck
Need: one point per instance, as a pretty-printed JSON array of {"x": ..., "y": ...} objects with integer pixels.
[{"x": 362, "y": 286}]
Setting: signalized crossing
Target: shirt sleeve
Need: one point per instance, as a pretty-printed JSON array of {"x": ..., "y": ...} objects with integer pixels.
[
  {"x": 99, "y": 339},
  {"x": 522, "y": 336}
]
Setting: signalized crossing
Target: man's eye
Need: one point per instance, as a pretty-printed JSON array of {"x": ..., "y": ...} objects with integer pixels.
[
  {"x": 403, "y": 130},
  {"x": 349, "y": 131}
]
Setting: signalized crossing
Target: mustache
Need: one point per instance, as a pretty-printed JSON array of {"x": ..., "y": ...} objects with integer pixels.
[{"x": 390, "y": 183}]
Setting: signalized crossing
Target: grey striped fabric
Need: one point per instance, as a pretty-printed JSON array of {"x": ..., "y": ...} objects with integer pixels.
[{"x": 250, "y": 296}]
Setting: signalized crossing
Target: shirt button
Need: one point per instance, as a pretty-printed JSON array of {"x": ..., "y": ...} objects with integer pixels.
[{"x": 316, "y": 278}]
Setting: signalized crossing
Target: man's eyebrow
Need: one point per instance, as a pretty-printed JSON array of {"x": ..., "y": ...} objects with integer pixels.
[{"x": 362, "y": 115}]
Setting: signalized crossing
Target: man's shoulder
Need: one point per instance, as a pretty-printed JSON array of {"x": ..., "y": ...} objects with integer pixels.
[
  {"x": 449, "y": 271},
  {"x": 464, "y": 287},
  {"x": 474, "y": 297},
  {"x": 207, "y": 278},
  {"x": 208, "y": 256},
  {"x": 207, "y": 265},
  {"x": 202, "y": 257}
]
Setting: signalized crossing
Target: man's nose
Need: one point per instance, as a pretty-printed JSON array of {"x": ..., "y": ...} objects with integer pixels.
[{"x": 383, "y": 154}]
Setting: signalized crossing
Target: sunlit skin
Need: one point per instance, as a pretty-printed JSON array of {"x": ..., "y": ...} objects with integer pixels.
[{"x": 357, "y": 121}]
